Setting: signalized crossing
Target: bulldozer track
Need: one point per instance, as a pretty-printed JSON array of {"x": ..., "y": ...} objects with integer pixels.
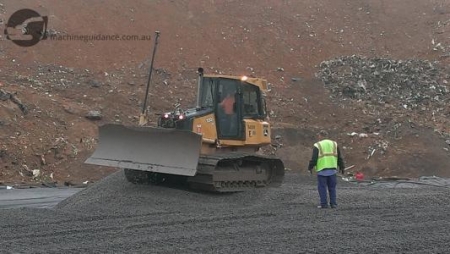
[
  {"x": 226, "y": 172},
  {"x": 233, "y": 172}
]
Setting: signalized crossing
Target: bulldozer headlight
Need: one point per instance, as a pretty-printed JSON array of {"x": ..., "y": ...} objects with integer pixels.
[
  {"x": 181, "y": 117},
  {"x": 166, "y": 115}
]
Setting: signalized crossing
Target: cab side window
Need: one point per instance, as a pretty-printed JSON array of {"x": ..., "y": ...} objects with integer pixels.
[
  {"x": 250, "y": 101},
  {"x": 208, "y": 91}
]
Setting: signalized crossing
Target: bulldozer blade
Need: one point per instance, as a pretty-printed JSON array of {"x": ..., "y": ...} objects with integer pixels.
[{"x": 151, "y": 149}]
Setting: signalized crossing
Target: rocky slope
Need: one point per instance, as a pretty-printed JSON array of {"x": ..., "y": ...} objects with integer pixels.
[{"x": 292, "y": 44}]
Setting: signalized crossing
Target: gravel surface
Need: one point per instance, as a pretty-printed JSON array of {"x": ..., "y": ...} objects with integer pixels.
[
  {"x": 113, "y": 216},
  {"x": 34, "y": 197}
]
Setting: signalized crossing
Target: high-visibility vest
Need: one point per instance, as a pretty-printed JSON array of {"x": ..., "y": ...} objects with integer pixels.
[{"x": 327, "y": 154}]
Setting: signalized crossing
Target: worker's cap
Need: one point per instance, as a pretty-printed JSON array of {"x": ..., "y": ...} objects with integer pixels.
[{"x": 323, "y": 133}]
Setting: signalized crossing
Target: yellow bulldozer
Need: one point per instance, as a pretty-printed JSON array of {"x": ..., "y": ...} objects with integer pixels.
[{"x": 214, "y": 146}]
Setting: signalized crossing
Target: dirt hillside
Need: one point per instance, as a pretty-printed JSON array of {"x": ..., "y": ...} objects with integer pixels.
[{"x": 48, "y": 89}]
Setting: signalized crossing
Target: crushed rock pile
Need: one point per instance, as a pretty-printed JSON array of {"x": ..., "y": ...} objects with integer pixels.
[
  {"x": 114, "y": 195},
  {"x": 410, "y": 84}
]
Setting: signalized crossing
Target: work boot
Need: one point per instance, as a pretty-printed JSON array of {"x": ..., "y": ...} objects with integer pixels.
[{"x": 333, "y": 206}]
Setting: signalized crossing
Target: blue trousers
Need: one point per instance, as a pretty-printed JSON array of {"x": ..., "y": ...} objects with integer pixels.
[{"x": 327, "y": 185}]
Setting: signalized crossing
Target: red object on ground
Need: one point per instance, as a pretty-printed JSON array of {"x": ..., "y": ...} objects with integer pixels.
[{"x": 359, "y": 176}]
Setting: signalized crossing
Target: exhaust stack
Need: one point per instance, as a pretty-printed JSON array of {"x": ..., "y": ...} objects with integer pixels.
[{"x": 199, "y": 87}]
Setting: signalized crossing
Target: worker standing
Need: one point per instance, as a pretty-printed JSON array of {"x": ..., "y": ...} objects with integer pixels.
[{"x": 326, "y": 159}]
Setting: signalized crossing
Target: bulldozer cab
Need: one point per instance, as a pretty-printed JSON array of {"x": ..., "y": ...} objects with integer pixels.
[{"x": 232, "y": 100}]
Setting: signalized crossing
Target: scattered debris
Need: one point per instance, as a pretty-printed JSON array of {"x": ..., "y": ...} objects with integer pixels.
[
  {"x": 361, "y": 135},
  {"x": 371, "y": 152},
  {"x": 68, "y": 183},
  {"x": 278, "y": 142},
  {"x": 94, "y": 115},
  {"x": 26, "y": 171},
  {"x": 359, "y": 176},
  {"x": 4, "y": 95},
  {"x": 43, "y": 162},
  {"x": 36, "y": 173},
  {"x": 94, "y": 83},
  {"x": 410, "y": 84}
]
